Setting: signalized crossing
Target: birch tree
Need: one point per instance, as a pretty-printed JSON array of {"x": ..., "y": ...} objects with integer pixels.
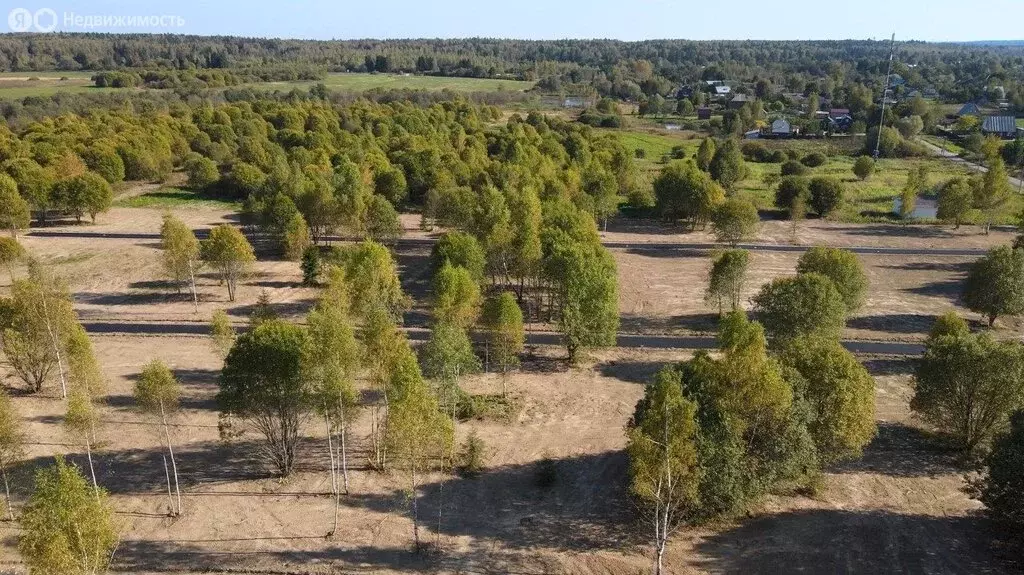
[
  {"x": 662, "y": 452},
  {"x": 228, "y": 252},
  {"x": 157, "y": 393},
  {"x": 12, "y": 442},
  {"x": 80, "y": 422},
  {"x": 181, "y": 254}
]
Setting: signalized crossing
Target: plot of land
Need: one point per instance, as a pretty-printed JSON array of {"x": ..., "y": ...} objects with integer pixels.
[{"x": 899, "y": 509}]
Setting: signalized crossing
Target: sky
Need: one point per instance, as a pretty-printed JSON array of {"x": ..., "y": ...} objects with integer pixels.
[{"x": 932, "y": 20}]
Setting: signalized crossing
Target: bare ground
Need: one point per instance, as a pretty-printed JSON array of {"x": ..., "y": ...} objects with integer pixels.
[{"x": 898, "y": 509}]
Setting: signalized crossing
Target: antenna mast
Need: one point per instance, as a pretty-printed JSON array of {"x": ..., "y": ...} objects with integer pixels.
[{"x": 885, "y": 90}]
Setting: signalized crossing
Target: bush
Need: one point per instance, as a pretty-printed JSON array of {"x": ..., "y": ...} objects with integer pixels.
[
  {"x": 472, "y": 456},
  {"x": 640, "y": 153},
  {"x": 678, "y": 152},
  {"x": 1002, "y": 490},
  {"x": 814, "y": 159},
  {"x": 790, "y": 189},
  {"x": 793, "y": 168},
  {"x": 311, "y": 266},
  {"x": 777, "y": 157},
  {"x": 755, "y": 152},
  {"x": 864, "y": 167},
  {"x": 826, "y": 195}
]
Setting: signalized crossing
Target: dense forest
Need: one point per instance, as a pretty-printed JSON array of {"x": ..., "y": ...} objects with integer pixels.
[{"x": 627, "y": 70}]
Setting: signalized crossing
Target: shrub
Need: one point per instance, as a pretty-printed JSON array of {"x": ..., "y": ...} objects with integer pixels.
[
  {"x": 826, "y": 195},
  {"x": 793, "y": 168},
  {"x": 864, "y": 167},
  {"x": 814, "y": 159},
  {"x": 472, "y": 456},
  {"x": 777, "y": 157},
  {"x": 790, "y": 189}
]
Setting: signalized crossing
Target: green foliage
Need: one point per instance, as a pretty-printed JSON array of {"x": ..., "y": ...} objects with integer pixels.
[
  {"x": 157, "y": 391},
  {"x": 332, "y": 359},
  {"x": 588, "y": 294},
  {"x": 228, "y": 252},
  {"x": 222, "y": 334},
  {"x": 448, "y": 354},
  {"x": 456, "y": 297},
  {"x": 814, "y": 160},
  {"x": 843, "y": 268},
  {"x": 461, "y": 250},
  {"x": 202, "y": 172},
  {"x": 311, "y": 266},
  {"x": 793, "y": 168},
  {"x": 735, "y": 220},
  {"x": 863, "y": 167},
  {"x": 372, "y": 276},
  {"x": 955, "y": 200},
  {"x": 706, "y": 153},
  {"x": 103, "y": 159},
  {"x": 995, "y": 284},
  {"x": 727, "y": 166},
  {"x": 967, "y": 385},
  {"x": 37, "y": 320},
  {"x": 11, "y": 253},
  {"x": 12, "y": 442},
  {"x": 838, "y": 391},
  {"x": 262, "y": 310},
  {"x": 390, "y": 183},
  {"x": 1002, "y": 489},
  {"x": 87, "y": 193},
  {"x": 726, "y": 278},
  {"x": 802, "y": 305},
  {"x": 84, "y": 372},
  {"x": 826, "y": 195},
  {"x": 382, "y": 223},
  {"x": 682, "y": 191},
  {"x": 263, "y": 382},
  {"x": 472, "y": 457},
  {"x": 994, "y": 191},
  {"x": 67, "y": 527},
  {"x": 793, "y": 192},
  {"x": 14, "y": 210},
  {"x": 502, "y": 322},
  {"x": 949, "y": 324},
  {"x": 181, "y": 257},
  {"x": 295, "y": 238}
]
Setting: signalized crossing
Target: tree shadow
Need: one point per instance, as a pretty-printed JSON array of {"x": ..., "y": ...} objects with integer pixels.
[
  {"x": 282, "y": 309},
  {"x": 628, "y": 225},
  {"x": 661, "y": 251},
  {"x": 899, "y": 450},
  {"x": 955, "y": 267},
  {"x": 906, "y": 323},
  {"x": 641, "y": 372},
  {"x": 827, "y": 541},
  {"x": 890, "y": 366},
  {"x": 949, "y": 289},
  {"x": 642, "y": 324},
  {"x": 896, "y": 231}
]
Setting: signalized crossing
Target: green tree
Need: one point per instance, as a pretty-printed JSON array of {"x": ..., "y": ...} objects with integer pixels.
[
  {"x": 839, "y": 392},
  {"x": 311, "y": 266},
  {"x": 726, "y": 278},
  {"x": 202, "y": 172},
  {"x": 995, "y": 284},
  {"x": 382, "y": 222},
  {"x": 705, "y": 153},
  {"x": 502, "y": 323},
  {"x": 11, "y": 253},
  {"x": 955, "y": 200},
  {"x": 67, "y": 528},
  {"x": 263, "y": 382},
  {"x": 802, "y": 305},
  {"x": 181, "y": 254},
  {"x": 826, "y": 195},
  {"x": 80, "y": 422},
  {"x": 87, "y": 193},
  {"x": 461, "y": 250},
  {"x": 994, "y": 191},
  {"x": 682, "y": 191},
  {"x": 103, "y": 160},
  {"x": 843, "y": 268},
  {"x": 12, "y": 443},
  {"x": 228, "y": 252},
  {"x": 446, "y": 357},
  {"x": 456, "y": 297},
  {"x": 295, "y": 238},
  {"x": 792, "y": 195},
  {"x": 967, "y": 385},
  {"x": 372, "y": 276},
  {"x": 390, "y": 183},
  {"x": 222, "y": 334},
  {"x": 727, "y": 166},
  {"x": 735, "y": 220},
  {"x": 418, "y": 433},
  {"x": 1002, "y": 487},
  {"x": 157, "y": 393},
  {"x": 589, "y": 298},
  {"x": 863, "y": 167},
  {"x": 14, "y": 210},
  {"x": 662, "y": 449}
]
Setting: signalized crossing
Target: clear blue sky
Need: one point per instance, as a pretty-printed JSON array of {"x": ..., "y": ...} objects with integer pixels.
[{"x": 936, "y": 20}]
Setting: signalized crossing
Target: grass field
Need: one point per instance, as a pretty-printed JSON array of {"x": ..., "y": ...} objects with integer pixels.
[
  {"x": 16, "y": 85},
  {"x": 171, "y": 197}
]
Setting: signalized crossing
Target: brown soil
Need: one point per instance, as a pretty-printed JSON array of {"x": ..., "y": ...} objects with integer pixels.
[{"x": 899, "y": 509}]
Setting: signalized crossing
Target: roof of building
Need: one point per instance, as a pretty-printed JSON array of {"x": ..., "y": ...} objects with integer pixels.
[
  {"x": 742, "y": 98},
  {"x": 781, "y": 125},
  {"x": 1000, "y": 124},
  {"x": 722, "y": 89},
  {"x": 969, "y": 109},
  {"x": 836, "y": 112}
]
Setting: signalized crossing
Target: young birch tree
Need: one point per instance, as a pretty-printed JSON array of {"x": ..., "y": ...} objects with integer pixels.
[
  {"x": 181, "y": 254},
  {"x": 662, "y": 448},
  {"x": 228, "y": 252},
  {"x": 503, "y": 324},
  {"x": 12, "y": 441},
  {"x": 80, "y": 422},
  {"x": 157, "y": 393}
]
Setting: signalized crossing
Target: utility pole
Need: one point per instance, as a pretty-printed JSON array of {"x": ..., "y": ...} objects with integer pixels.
[{"x": 885, "y": 90}]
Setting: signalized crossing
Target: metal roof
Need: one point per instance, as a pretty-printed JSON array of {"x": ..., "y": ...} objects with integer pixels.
[
  {"x": 1000, "y": 125},
  {"x": 969, "y": 109},
  {"x": 780, "y": 125}
]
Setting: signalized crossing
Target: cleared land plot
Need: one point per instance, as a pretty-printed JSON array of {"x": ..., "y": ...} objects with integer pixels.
[{"x": 898, "y": 509}]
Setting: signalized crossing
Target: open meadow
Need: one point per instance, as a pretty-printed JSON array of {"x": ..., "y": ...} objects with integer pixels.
[{"x": 899, "y": 508}]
